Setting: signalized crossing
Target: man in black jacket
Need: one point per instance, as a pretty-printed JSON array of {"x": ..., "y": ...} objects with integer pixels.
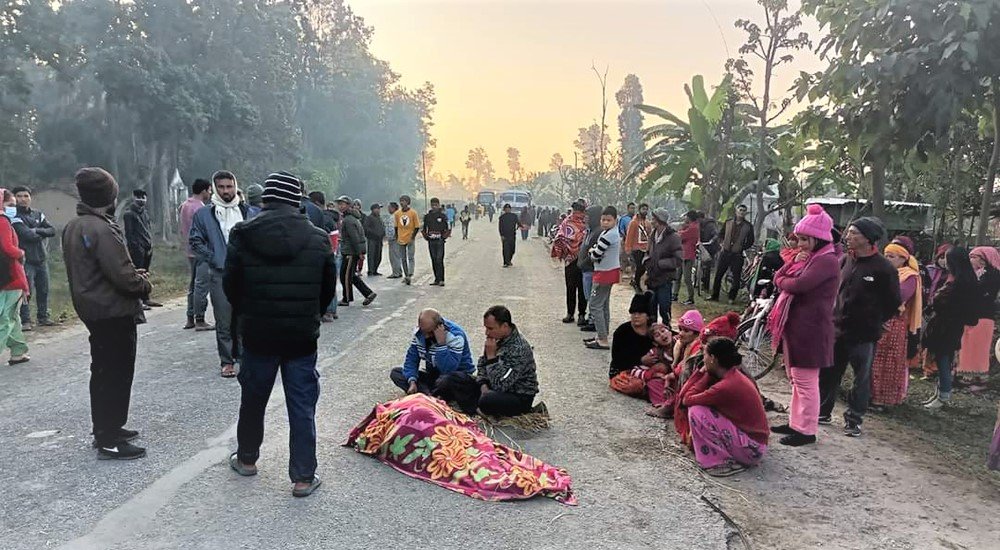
[
  {"x": 280, "y": 278},
  {"x": 736, "y": 237},
  {"x": 352, "y": 249},
  {"x": 869, "y": 296},
  {"x": 508, "y": 234},
  {"x": 138, "y": 237},
  {"x": 375, "y": 233},
  {"x": 436, "y": 231},
  {"x": 31, "y": 235}
]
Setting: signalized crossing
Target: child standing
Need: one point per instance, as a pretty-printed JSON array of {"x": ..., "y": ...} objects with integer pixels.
[{"x": 607, "y": 272}]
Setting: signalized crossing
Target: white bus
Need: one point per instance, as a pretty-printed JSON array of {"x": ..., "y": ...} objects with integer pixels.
[{"x": 517, "y": 199}]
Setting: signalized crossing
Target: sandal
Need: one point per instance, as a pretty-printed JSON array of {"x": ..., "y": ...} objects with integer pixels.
[
  {"x": 245, "y": 470},
  {"x": 724, "y": 470},
  {"x": 228, "y": 371},
  {"x": 19, "y": 360},
  {"x": 594, "y": 344},
  {"x": 308, "y": 490}
]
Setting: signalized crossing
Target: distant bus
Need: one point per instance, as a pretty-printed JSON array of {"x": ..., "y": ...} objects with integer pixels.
[
  {"x": 486, "y": 198},
  {"x": 518, "y": 200}
]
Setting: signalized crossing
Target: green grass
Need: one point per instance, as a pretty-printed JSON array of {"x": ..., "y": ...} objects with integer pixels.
[{"x": 169, "y": 275}]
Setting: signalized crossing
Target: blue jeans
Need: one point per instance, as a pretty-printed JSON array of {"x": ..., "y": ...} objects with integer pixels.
[
  {"x": 945, "y": 374},
  {"x": 860, "y": 356},
  {"x": 300, "y": 380},
  {"x": 663, "y": 296},
  {"x": 333, "y": 305},
  {"x": 38, "y": 281},
  {"x": 588, "y": 283}
]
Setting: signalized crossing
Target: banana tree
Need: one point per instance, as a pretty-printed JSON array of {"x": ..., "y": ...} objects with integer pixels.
[{"x": 693, "y": 151}]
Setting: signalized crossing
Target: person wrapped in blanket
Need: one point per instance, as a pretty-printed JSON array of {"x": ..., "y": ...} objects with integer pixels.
[{"x": 719, "y": 414}]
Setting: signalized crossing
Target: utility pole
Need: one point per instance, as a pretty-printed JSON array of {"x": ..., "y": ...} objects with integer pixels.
[{"x": 423, "y": 169}]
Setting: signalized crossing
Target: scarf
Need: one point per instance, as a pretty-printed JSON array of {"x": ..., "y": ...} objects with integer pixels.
[
  {"x": 778, "y": 317},
  {"x": 913, "y": 309},
  {"x": 227, "y": 213},
  {"x": 989, "y": 254}
]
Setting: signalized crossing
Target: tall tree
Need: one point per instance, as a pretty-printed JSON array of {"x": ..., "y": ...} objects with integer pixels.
[
  {"x": 514, "y": 165},
  {"x": 630, "y": 118},
  {"x": 482, "y": 169}
]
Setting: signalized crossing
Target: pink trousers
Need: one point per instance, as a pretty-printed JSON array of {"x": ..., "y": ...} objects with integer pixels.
[
  {"x": 717, "y": 440},
  {"x": 803, "y": 412},
  {"x": 659, "y": 394}
]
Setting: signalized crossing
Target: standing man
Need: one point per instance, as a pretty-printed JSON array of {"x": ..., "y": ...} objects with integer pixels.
[
  {"x": 209, "y": 240},
  {"x": 407, "y": 226},
  {"x": 139, "y": 237},
  {"x": 624, "y": 221},
  {"x": 508, "y": 234},
  {"x": 566, "y": 247},
  {"x": 451, "y": 216},
  {"x": 352, "y": 248},
  {"x": 107, "y": 291},
  {"x": 375, "y": 233},
  {"x": 465, "y": 218},
  {"x": 690, "y": 235},
  {"x": 201, "y": 193},
  {"x": 526, "y": 218},
  {"x": 436, "y": 232},
  {"x": 490, "y": 210},
  {"x": 637, "y": 243},
  {"x": 737, "y": 237},
  {"x": 319, "y": 199},
  {"x": 868, "y": 297},
  {"x": 32, "y": 233},
  {"x": 293, "y": 274},
  {"x": 255, "y": 199},
  {"x": 662, "y": 262},
  {"x": 395, "y": 251}
]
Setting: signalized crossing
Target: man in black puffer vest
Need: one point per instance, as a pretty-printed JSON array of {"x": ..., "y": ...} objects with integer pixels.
[{"x": 280, "y": 278}]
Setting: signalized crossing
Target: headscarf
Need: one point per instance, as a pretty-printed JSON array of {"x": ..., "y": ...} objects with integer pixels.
[
  {"x": 913, "y": 309},
  {"x": 772, "y": 245},
  {"x": 990, "y": 254}
]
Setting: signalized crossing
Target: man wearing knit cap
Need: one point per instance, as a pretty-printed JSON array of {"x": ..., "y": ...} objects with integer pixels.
[
  {"x": 107, "y": 291},
  {"x": 868, "y": 297},
  {"x": 664, "y": 258},
  {"x": 280, "y": 277}
]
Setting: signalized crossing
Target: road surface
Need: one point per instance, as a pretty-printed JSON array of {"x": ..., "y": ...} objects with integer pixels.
[{"x": 183, "y": 495}]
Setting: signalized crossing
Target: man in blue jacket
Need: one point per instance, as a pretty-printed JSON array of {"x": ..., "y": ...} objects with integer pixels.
[
  {"x": 209, "y": 238},
  {"x": 443, "y": 347}
]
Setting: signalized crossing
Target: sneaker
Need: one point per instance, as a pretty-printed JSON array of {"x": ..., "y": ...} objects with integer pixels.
[
  {"x": 123, "y": 435},
  {"x": 394, "y": 276},
  {"x": 783, "y": 429},
  {"x": 852, "y": 429},
  {"x": 27, "y": 327},
  {"x": 47, "y": 323},
  {"x": 327, "y": 317},
  {"x": 441, "y": 283},
  {"x": 201, "y": 326},
  {"x": 305, "y": 489},
  {"x": 343, "y": 303},
  {"x": 936, "y": 404},
  {"x": 146, "y": 307},
  {"x": 588, "y": 328},
  {"x": 581, "y": 321},
  {"x": 120, "y": 451},
  {"x": 797, "y": 440},
  {"x": 371, "y": 298},
  {"x": 930, "y": 399},
  {"x": 151, "y": 303},
  {"x": 825, "y": 419},
  {"x": 189, "y": 324},
  {"x": 435, "y": 283},
  {"x": 407, "y": 281},
  {"x": 688, "y": 302},
  {"x": 568, "y": 319}
]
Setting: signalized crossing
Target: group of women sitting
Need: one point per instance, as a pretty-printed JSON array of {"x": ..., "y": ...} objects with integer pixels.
[{"x": 692, "y": 375}]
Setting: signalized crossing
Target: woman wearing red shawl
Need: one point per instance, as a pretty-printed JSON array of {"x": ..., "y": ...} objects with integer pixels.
[
  {"x": 890, "y": 375},
  {"x": 726, "y": 418},
  {"x": 974, "y": 356},
  {"x": 690, "y": 372},
  {"x": 14, "y": 284}
]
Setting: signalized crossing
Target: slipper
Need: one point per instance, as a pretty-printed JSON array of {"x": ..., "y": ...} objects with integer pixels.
[
  {"x": 22, "y": 359},
  {"x": 724, "y": 470},
  {"x": 589, "y": 340},
  {"x": 595, "y": 345},
  {"x": 240, "y": 468},
  {"x": 228, "y": 371},
  {"x": 298, "y": 493}
]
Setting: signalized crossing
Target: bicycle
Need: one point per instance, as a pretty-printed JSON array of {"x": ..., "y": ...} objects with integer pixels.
[{"x": 753, "y": 339}]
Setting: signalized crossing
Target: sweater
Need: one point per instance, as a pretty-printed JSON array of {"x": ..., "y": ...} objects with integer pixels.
[
  {"x": 452, "y": 355},
  {"x": 513, "y": 369},
  {"x": 690, "y": 234},
  {"x": 12, "y": 255},
  {"x": 627, "y": 349},
  {"x": 664, "y": 258},
  {"x": 606, "y": 253},
  {"x": 735, "y": 397},
  {"x": 186, "y": 216},
  {"x": 868, "y": 297}
]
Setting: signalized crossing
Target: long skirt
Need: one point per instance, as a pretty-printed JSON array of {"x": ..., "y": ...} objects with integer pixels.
[
  {"x": 890, "y": 373},
  {"x": 718, "y": 441},
  {"x": 974, "y": 357}
]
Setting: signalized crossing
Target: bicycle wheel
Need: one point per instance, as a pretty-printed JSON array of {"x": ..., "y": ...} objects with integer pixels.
[{"x": 758, "y": 355}]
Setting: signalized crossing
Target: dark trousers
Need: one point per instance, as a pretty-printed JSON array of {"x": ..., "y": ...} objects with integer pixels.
[
  {"x": 465, "y": 231},
  {"x": 436, "y": 249},
  {"x": 141, "y": 257},
  {"x": 732, "y": 262},
  {"x": 426, "y": 380},
  {"x": 524, "y": 233},
  {"x": 663, "y": 296},
  {"x": 509, "y": 245},
  {"x": 541, "y": 229},
  {"x": 374, "y": 255},
  {"x": 860, "y": 356},
  {"x": 193, "y": 265},
  {"x": 575, "y": 297},
  {"x": 112, "y": 367},
  {"x": 300, "y": 380},
  {"x": 640, "y": 268},
  {"x": 38, "y": 281},
  {"x": 463, "y": 389},
  {"x": 350, "y": 280}
]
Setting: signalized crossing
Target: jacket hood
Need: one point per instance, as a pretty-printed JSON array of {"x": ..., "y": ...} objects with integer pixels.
[
  {"x": 594, "y": 217},
  {"x": 84, "y": 209},
  {"x": 353, "y": 212},
  {"x": 276, "y": 233}
]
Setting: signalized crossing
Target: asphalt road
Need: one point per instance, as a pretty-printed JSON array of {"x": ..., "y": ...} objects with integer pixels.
[{"x": 55, "y": 494}]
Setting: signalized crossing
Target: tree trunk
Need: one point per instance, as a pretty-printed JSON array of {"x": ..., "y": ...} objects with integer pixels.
[{"x": 986, "y": 207}]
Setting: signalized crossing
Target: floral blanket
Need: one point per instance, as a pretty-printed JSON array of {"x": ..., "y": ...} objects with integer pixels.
[{"x": 423, "y": 438}]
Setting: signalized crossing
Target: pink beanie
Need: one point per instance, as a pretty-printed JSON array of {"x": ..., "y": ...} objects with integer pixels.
[
  {"x": 692, "y": 321},
  {"x": 816, "y": 223}
]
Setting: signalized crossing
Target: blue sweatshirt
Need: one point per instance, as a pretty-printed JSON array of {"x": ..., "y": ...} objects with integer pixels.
[{"x": 452, "y": 356}]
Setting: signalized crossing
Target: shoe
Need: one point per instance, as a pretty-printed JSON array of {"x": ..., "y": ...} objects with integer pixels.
[
  {"x": 825, "y": 420},
  {"x": 189, "y": 324},
  {"x": 328, "y": 317},
  {"x": 797, "y": 440},
  {"x": 930, "y": 399},
  {"x": 123, "y": 435},
  {"x": 201, "y": 326},
  {"x": 19, "y": 360},
  {"x": 47, "y": 323},
  {"x": 595, "y": 345},
  {"x": 688, "y": 302},
  {"x": 783, "y": 429},
  {"x": 343, "y": 303},
  {"x": 245, "y": 470},
  {"x": 146, "y": 307},
  {"x": 407, "y": 281},
  {"x": 151, "y": 303},
  {"x": 936, "y": 403},
  {"x": 371, "y": 298},
  {"x": 376, "y": 274},
  {"x": 725, "y": 470},
  {"x": 306, "y": 489},
  {"x": 435, "y": 283},
  {"x": 122, "y": 450},
  {"x": 27, "y": 327},
  {"x": 852, "y": 429},
  {"x": 394, "y": 277},
  {"x": 581, "y": 320},
  {"x": 441, "y": 283},
  {"x": 588, "y": 328},
  {"x": 568, "y": 319}
]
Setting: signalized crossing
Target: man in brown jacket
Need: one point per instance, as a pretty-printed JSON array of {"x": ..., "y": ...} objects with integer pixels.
[{"x": 107, "y": 293}]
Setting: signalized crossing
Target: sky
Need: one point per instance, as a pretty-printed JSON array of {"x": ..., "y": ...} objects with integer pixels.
[{"x": 516, "y": 73}]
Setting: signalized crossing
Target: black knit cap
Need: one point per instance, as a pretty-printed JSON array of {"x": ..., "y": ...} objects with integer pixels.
[
  {"x": 871, "y": 227},
  {"x": 641, "y": 303},
  {"x": 97, "y": 188},
  {"x": 283, "y": 188}
]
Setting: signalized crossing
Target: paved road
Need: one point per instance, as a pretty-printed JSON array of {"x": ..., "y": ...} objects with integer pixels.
[{"x": 57, "y": 495}]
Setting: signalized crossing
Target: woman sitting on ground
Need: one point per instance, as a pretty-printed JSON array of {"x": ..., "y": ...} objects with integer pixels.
[
  {"x": 657, "y": 364},
  {"x": 633, "y": 339},
  {"x": 728, "y": 425},
  {"x": 663, "y": 389}
]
